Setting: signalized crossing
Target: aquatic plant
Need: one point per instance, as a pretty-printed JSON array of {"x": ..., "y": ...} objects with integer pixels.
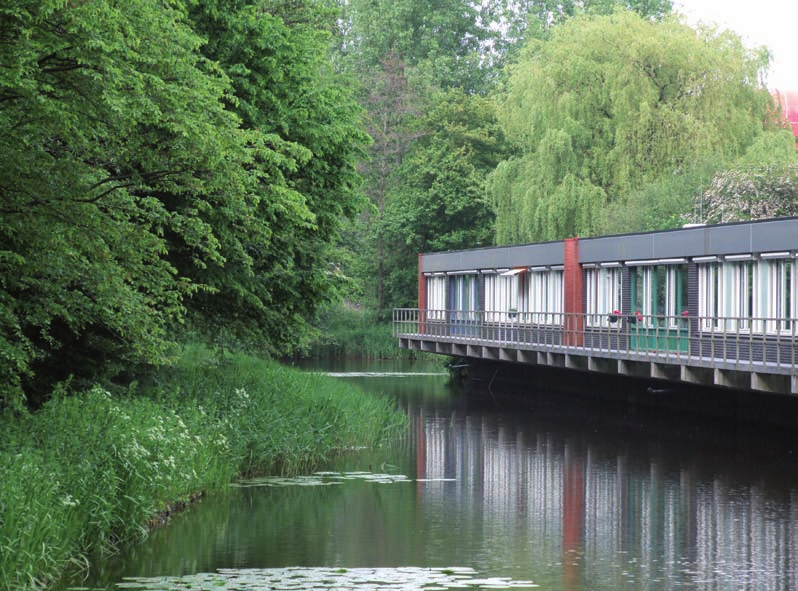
[
  {"x": 325, "y": 578},
  {"x": 285, "y": 421},
  {"x": 88, "y": 470},
  {"x": 354, "y": 333}
]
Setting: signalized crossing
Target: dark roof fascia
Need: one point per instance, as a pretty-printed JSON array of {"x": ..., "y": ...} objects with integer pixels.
[{"x": 776, "y": 234}]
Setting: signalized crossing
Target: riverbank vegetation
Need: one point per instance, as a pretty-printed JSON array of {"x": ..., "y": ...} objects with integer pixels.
[
  {"x": 345, "y": 332},
  {"x": 266, "y": 160},
  {"x": 567, "y": 119},
  {"x": 228, "y": 171},
  {"x": 93, "y": 468}
]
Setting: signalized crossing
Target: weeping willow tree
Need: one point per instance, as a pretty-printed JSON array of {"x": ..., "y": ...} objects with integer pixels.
[{"x": 610, "y": 105}]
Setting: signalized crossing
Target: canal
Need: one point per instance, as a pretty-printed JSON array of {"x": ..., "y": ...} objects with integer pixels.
[{"x": 497, "y": 489}]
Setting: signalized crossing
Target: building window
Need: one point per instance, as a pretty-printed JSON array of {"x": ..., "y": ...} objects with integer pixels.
[
  {"x": 728, "y": 297},
  {"x": 739, "y": 295},
  {"x": 436, "y": 297},
  {"x": 603, "y": 291},
  {"x": 545, "y": 300},
  {"x": 709, "y": 296},
  {"x": 676, "y": 294},
  {"x": 645, "y": 284},
  {"x": 659, "y": 293},
  {"x": 501, "y": 296},
  {"x": 555, "y": 303},
  {"x": 780, "y": 308},
  {"x": 464, "y": 300}
]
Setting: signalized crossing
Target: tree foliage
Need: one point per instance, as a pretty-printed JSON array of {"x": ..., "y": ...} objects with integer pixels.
[
  {"x": 742, "y": 194},
  {"x": 405, "y": 55},
  {"x": 542, "y": 15},
  {"x": 610, "y": 104},
  {"x": 97, "y": 118},
  {"x": 394, "y": 104},
  {"x": 441, "y": 202},
  {"x": 277, "y": 57},
  {"x": 458, "y": 43},
  {"x": 143, "y": 178},
  {"x": 763, "y": 183},
  {"x": 443, "y": 38}
]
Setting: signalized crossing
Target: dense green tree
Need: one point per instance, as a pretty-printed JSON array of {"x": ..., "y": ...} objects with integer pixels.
[
  {"x": 658, "y": 205},
  {"x": 610, "y": 104},
  {"x": 442, "y": 38},
  {"x": 458, "y": 43},
  {"x": 761, "y": 184},
  {"x": 394, "y": 110},
  {"x": 403, "y": 54},
  {"x": 441, "y": 203},
  {"x": 103, "y": 104},
  {"x": 512, "y": 24},
  {"x": 277, "y": 56},
  {"x": 143, "y": 181}
]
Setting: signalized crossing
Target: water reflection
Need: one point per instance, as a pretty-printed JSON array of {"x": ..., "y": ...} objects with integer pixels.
[
  {"x": 571, "y": 495},
  {"x": 643, "y": 502}
]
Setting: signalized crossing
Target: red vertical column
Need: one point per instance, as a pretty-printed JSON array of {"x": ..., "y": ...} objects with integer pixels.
[
  {"x": 572, "y": 275},
  {"x": 422, "y": 294},
  {"x": 573, "y": 512}
]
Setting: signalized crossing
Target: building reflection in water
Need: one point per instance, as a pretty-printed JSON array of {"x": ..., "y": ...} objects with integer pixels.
[{"x": 644, "y": 504}]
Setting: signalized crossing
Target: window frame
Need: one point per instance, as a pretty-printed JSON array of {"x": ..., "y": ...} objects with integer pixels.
[
  {"x": 603, "y": 294},
  {"x": 729, "y": 295},
  {"x": 709, "y": 290},
  {"x": 436, "y": 296},
  {"x": 659, "y": 292},
  {"x": 739, "y": 300},
  {"x": 464, "y": 295},
  {"x": 781, "y": 308},
  {"x": 545, "y": 296},
  {"x": 502, "y": 295}
]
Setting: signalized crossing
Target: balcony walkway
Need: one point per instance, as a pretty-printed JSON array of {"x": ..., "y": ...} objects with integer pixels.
[{"x": 743, "y": 355}]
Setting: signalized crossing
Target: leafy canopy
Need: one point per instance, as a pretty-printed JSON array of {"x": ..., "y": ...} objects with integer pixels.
[
  {"x": 612, "y": 103},
  {"x": 157, "y": 166},
  {"x": 439, "y": 202},
  {"x": 99, "y": 118},
  {"x": 763, "y": 183},
  {"x": 277, "y": 58}
]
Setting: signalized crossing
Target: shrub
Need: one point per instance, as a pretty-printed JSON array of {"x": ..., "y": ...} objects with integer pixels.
[{"x": 88, "y": 470}]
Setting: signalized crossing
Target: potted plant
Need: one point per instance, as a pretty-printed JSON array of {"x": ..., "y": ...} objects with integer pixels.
[{"x": 614, "y": 316}]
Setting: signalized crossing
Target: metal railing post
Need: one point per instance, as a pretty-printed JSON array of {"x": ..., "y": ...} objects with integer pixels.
[{"x": 770, "y": 344}]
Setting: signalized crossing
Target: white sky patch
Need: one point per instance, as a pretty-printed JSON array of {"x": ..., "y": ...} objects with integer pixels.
[{"x": 772, "y": 23}]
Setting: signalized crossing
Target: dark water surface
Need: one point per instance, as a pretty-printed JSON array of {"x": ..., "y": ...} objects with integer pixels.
[{"x": 554, "y": 492}]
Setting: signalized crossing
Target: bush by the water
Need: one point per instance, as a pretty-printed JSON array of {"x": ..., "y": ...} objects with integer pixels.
[
  {"x": 88, "y": 470},
  {"x": 346, "y": 332}
]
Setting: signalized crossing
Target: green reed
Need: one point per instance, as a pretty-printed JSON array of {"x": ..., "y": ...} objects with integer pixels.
[
  {"x": 285, "y": 420},
  {"x": 88, "y": 470},
  {"x": 353, "y": 333}
]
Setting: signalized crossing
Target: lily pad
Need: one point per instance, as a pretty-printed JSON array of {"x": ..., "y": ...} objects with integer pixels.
[
  {"x": 328, "y": 579},
  {"x": 320, "y": 479}
]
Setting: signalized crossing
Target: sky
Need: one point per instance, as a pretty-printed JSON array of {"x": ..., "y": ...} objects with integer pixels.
[{"x": 773, "y": 23}]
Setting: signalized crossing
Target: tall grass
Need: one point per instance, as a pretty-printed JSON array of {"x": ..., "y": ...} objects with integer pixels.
[
  {"x": 285, "y": 420},
  {"x": 354, "y": 333},
  {"x": 88, "y": 470}
]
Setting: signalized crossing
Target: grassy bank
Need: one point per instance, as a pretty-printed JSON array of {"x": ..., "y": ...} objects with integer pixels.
[
  {"x": 88, "y": 470},
  {"x": 355, "y": 333}
]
